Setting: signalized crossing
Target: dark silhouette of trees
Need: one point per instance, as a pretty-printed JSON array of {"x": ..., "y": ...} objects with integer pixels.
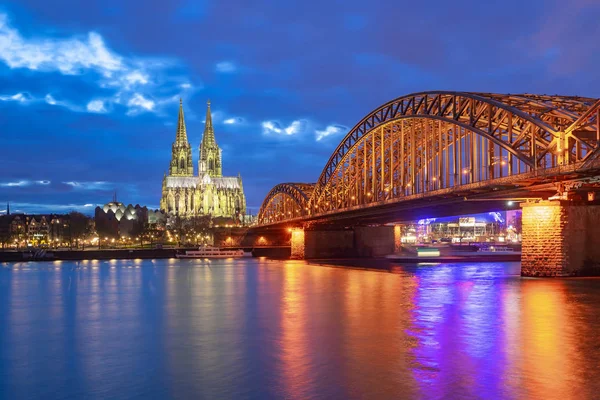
[{"x": 79, "y": 227}]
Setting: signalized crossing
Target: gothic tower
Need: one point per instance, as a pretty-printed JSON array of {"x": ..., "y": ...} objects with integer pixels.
[
  {"x": 181, "y": 152},
  {"x": 210, "y": 153}
]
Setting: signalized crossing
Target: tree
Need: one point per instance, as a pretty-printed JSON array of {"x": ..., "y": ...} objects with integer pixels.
[
  {"x": 199, "y": 226},
  {"x": 79, "y": 227},
  {"x": 178, "y": 228},
  {"x": 5, "y": 237}
]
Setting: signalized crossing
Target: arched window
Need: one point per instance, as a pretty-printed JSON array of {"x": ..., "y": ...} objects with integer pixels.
[
  {"x": 182, "y": 164},
  {"x": 210, "y": 164}
]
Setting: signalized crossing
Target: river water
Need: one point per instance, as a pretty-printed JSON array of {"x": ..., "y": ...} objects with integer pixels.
[{"x": 284, "y": 329}]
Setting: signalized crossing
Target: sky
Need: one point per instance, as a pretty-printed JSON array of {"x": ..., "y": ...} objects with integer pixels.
[{"x": 89, "y": 91}]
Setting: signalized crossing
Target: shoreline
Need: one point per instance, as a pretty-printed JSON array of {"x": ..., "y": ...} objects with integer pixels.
[{"x": 132, "y": 254}]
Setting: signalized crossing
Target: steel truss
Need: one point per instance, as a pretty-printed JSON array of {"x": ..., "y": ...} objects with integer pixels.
[
  {"x": 285, "y": 201},
  {"x": 429, "y": 141}
]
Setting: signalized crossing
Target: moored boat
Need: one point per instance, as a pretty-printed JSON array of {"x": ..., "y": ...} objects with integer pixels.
[{"x": 211, "y": 252}]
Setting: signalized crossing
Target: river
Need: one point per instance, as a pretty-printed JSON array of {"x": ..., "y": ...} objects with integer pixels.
[{"x": 260, "y": 329}]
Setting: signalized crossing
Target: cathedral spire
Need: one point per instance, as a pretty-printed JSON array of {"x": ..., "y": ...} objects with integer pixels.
[
  {"x": 208, "y": 138},
  {"x": 181, "y": 152},
  {"x": 210, "y": 154},
  {"x": 181, "y": 138}
]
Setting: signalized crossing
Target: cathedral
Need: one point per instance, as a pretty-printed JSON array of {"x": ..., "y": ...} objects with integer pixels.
[{"x": 208, "y": 193}]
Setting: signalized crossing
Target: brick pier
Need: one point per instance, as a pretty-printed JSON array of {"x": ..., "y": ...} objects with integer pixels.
[{"x": 560, "y": 238}]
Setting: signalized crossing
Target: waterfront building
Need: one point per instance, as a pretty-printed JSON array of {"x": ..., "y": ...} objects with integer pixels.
[
  {"x": 37, "y": 229},
  {"x": 116, "y": 219},
  {"x": 185, "y": 194}
]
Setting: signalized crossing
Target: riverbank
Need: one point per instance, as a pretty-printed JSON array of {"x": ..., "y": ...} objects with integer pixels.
[
  {"x": 273, "y": 253},
  {"x": 75, "y": 255}
]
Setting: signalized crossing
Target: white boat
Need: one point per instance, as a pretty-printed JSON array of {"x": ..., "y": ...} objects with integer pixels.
[{"x": 211, "y": 252}]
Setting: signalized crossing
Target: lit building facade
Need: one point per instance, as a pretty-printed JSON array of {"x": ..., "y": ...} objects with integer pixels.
[
  {"x": 208, "y": 193},
  {"x": 32, "y": 230},
  {"x": 115, "y": 218},
  {"x": 504, "y": 226}
]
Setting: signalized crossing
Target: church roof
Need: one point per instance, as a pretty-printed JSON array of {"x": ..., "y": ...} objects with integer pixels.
[
  {"x": 226, "y": 182},
  {"x": 198, "y": 181},
  {"x": 182, "y": 181}
]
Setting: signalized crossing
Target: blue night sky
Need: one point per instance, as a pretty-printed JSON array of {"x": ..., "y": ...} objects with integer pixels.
[{"x": 89, "y": 91}]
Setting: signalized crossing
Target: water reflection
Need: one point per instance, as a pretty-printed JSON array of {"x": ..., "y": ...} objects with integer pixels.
[{"x": 271, "y": 329}]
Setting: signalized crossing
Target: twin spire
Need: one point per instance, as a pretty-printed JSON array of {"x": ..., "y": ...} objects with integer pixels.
[
  {"x": 208, "y": 138},
  {"x": 181, "y": 132}
]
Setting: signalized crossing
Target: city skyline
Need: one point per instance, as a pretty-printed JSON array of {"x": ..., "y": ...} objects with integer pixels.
[{"x": 89, "y": 96}]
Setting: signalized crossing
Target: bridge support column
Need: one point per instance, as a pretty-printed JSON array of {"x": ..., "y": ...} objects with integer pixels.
[
  {"x": 329, "y": 244},
  {"x": 374, "y": 241},
  {"x": 362, "y": 241},
  {"x": 397, "y": 238},
  {"x": 560, "y": 238},
  {"x": 297, "y": 244}
]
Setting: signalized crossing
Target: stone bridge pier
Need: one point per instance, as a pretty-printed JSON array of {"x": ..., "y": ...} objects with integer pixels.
[
  {"x": 359, "y": 241},
  {"x": 560, "y": 238}
]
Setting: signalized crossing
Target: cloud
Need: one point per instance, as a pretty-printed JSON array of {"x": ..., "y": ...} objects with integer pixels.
[
  {"x": 19, "y": 97},
  {"x": 139, "y": 103},
  {"x": 32, "y": 208},
  {"x": 98, "y": 185},
  {"x": 49, "y": 99},
  {"x": 67, "y": 56},
  {"x": 330, "y": 130},
  {"x": 234, "y": 120},
  {"x": 15, "y": 184},
  {"x": 23, "y": 183},
  {"x": 275, "y": 127},
  {"x": 226, "y": 67},
  {"x": 134, "y": 79},
  {"x": 299, "y": 127},
  {"x": 96, "y": 106},
  {"x": 23, "y": 97}
]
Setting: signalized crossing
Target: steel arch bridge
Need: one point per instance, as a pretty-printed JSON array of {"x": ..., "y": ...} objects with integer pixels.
[
  {"x": 286, "y": 201},
  {"x": 429, "y": 142}
]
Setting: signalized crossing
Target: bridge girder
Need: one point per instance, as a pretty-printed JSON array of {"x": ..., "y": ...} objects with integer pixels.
[
  {"x": 431, "y": 141},
  {"x": 284, "y": 201}
]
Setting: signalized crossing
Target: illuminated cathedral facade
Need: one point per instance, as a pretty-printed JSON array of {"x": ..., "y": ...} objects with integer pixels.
[{"x": 208, "y": 193}]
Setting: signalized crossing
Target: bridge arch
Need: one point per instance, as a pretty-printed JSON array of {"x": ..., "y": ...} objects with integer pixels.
[
  {"x": 437, "y": 140},
  {"x": 285, "y": 201}
]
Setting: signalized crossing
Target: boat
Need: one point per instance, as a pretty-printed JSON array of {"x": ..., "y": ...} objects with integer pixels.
[
  {"x": 211, "y": 252},
  {"x": 496, "y": 249}
]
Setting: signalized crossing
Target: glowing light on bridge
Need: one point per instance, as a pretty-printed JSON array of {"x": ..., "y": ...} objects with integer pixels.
[{"x": 441, "y": 142}]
